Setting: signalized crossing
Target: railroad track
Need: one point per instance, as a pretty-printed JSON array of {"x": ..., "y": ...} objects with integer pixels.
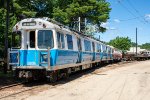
[
  {"x": 25, "y": 90},
  {"x": 8, "y": 86},
  {"x": 11, "y": 90},
  {"x": 18, "y": 88},
  {"x": 12, "y": 94}
]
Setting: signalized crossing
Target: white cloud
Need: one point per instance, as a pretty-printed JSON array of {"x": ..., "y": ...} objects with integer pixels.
[
  {"x": 107, "y": 26},
  {"x": 147, "y": 16},
  {"x": 112, "y": 28},
  {"x": 117, "y": 20}
]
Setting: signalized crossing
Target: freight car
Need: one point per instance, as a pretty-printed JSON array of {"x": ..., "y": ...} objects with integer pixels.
[
  {"x": 50, "y": 49},
  {"x": 117, "y": 55}
]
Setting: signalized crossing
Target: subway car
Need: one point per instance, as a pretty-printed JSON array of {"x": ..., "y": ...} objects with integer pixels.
[{"x": 48, "y": 49}]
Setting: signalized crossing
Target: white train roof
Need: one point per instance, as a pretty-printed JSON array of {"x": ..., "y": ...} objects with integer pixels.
[
  {"x": 40, "y": 23},
  {"x": 36, "y": 23}
]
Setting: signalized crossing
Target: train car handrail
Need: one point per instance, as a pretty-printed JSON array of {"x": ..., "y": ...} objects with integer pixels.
[{"x": 10, "y": 52}]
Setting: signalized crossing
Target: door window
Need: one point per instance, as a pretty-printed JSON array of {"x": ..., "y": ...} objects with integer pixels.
[
  {"x": 32, "y": 39},
  {"x": 87, "y": 45},
  {"x": 70, "y": 42}
]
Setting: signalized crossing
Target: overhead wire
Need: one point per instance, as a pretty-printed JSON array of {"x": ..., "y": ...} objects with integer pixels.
[
  {"x": 129, "y": 11},
  {"x": 132, "y": 6},
  {"x": 128, "y": 19}
]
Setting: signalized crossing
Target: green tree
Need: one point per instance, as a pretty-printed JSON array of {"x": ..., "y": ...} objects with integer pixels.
[
  {"x": 23, "y": 7},
  {"x": 145, "y": 46},
  {"x": 16, "y": 12},
  {"x": 12, "y": 22},
  {"x": 133, "y": 44},
  {"x": 122, "y": 43},
  {"x": 96, "y": 12},
  {"x": 37, "y": 8}
]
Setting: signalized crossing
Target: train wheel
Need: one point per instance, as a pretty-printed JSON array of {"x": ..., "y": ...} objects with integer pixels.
[
  {"x": 68, "y": 72},
  {"x": 15, "y": 74},
  {"x": 53, "y": 77},
  {"x": 65, "y": 73}
]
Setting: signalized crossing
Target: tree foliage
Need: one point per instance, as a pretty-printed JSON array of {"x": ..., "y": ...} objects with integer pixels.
[
  {"x": 17, "y": 10},
  {"x": 96, "y": 11},
  {"x": 65, "y": 11},
  {"x": 38, "y": 8},
  {"x": 23, "y": 8},
  {"x": 122, "y": 43},
  {"x": 133, "y": 44},
  {"x": 145, "y": 46}
]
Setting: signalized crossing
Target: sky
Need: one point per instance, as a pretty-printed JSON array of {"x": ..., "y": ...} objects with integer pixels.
[{"x": 125, "y": 16}]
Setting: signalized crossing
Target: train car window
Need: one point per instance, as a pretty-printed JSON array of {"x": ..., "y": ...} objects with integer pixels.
[
  {"x": 45, "y": 39},
  {"x": 98, "y": 48},
  {"x": 112, "y": 51},
  {"x": 93, "y": 45},
  {"x": 87, "y": 45},
  {"x": 104, "y": 48},
  {"x": 60, "y": 39},
  {"x": 69, "y": 42},
  {"x": 79, "y": 44},
  {"x": 32, "y": 39},
  {"x": 109, "y": 50}
]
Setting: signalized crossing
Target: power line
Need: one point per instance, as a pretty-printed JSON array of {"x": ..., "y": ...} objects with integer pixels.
[
  {"x": 136, "y": 10},
  {"x": 132, "y": 6},
  {"x": 129, "y": 10},
  {"x": 128, "y": 19}
]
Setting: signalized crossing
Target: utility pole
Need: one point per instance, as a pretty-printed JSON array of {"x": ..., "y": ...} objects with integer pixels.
[
  {"x": 84, "y": 25},
  {"x": 136, "y": 41},
  {"x": 79, "y": 24},
  {"x": 6, "y": 35}
]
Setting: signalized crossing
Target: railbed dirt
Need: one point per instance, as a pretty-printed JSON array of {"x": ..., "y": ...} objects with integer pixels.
[{"x": 123, "y": 81}]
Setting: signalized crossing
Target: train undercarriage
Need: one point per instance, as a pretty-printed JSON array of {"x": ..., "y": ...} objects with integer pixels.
[{"x": 51, "y": 75}]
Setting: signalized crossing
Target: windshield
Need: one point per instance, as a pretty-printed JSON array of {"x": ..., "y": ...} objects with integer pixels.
[{"x": 45, "y": 39}]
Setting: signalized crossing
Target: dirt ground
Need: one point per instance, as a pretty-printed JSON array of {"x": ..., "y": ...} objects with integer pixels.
[{"x": 128, "y": 82}]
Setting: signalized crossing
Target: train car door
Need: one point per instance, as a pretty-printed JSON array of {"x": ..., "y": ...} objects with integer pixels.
[
  {"x": 93, "y": 46},
  {"x": 80, "y": 49},
  {"x": 31, "y": 48}
]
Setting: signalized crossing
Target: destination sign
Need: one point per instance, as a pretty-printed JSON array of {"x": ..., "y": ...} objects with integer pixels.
[{"x": 28, "y": 23}]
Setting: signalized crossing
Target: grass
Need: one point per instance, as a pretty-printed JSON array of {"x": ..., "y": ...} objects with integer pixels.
[{"x": 9, "y": 74}]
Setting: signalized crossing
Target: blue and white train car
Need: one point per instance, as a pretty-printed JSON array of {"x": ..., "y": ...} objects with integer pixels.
[{"x": 48, "y": 49}]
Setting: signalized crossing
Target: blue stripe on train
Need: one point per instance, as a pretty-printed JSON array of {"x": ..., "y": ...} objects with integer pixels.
[
  {"x": 58, "y": 57},
  {"x": 86, "y": 56},
  {"x": 98, "y": 56}
]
